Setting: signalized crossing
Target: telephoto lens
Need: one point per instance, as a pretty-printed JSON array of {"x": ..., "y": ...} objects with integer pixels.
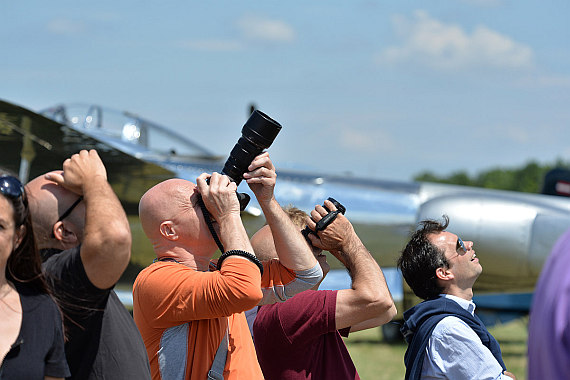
[{"x": 257, "y": 134}]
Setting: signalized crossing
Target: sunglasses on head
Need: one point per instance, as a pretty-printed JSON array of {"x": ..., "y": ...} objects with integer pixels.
[{"x": 11, "y": 187}]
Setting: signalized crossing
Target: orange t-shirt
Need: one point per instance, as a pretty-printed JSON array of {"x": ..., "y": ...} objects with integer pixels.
[{"x": 182, "y": 315}]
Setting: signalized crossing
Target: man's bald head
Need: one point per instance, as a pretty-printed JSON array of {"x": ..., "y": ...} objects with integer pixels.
[
  {"x": 47, "y": 201},
  {"x": 164, "y": 202},
  {"x": 171, "y": 217}
]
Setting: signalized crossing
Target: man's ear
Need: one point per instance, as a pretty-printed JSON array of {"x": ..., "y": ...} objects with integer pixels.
[
  {"x": 444, "y": 274},
  {"x": 65, "y": 236},
  {"x": 168, "y": 230}
]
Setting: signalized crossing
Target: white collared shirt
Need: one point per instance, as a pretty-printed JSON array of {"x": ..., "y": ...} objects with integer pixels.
[{"x": 455, "y": 351}]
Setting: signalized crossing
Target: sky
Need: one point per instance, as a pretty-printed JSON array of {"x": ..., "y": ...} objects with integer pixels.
[{"x": 379, "y": 89}]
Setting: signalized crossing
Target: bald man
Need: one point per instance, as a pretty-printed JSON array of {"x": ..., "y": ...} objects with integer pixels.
[
  {"x": 85, "y": 240},
  {"x": 186, "y": 311}
]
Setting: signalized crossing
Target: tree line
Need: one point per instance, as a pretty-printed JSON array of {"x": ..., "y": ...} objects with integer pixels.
[{"x": 527, "y": 178}]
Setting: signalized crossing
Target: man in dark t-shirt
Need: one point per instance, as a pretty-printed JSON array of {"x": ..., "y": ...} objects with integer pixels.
[
  {"x": 97, "y": 324},
  {"x": 301, "y": 337},
  {"x": 84, "y": 235}
]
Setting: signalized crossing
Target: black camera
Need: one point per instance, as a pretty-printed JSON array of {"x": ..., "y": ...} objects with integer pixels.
[
  {"x": 326, "y": 220},
  {"x": 257, "y": 134}
]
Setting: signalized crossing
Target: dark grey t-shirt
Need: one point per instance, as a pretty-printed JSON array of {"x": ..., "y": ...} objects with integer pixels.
[{"x": 103, "y": 340}]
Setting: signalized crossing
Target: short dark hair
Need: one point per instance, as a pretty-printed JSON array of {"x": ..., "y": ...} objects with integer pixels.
[{"x": 420, "y": 259}]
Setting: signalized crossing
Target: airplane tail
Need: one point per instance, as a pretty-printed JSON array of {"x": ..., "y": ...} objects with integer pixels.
[{"x": 557, "y": 182}]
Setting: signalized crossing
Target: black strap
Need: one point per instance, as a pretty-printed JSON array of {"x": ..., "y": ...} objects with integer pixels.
[
  {"x": 237, "y": 252},
  {"x": 208, "y": 220}
]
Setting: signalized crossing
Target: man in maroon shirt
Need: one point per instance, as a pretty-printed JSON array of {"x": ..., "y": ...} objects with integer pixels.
[{"x": 301, "y": 338}]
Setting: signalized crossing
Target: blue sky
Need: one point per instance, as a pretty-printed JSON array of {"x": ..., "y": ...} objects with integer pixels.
[{"x": 373, "y": 88}]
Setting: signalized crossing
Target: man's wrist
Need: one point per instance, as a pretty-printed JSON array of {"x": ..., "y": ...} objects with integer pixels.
[
  {"x": 271, "y": 209},
  {"x": 228, "y": 219},
  {"x": 95, "y": 184},
  {"x": 268, "y": 204},
  {"x": 232, "y": 233},
  {"x": 351, "y": 244}
]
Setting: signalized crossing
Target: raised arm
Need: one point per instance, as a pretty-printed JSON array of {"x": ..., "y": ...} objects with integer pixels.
[
  {"x": 292, "y": 249},
  {"x": 106, "y": 245},
  {"x": 368, "y": 303}
]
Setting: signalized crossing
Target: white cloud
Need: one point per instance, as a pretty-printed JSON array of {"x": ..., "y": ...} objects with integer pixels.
[
  {"x": 64, "y": 27},
  {"x": 211, "y": 45},
  {"x": 377, "y": 141},
  {"x": 448, "y": 46},
  {"x": 560, "y": 81},
  {"x": 517, "y": 135},
  {"x": 264, "y": 29},
  {"x": 250, "y": 28}
]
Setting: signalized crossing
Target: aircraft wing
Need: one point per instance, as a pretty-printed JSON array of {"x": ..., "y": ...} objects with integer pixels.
[{"x": 32, "y": 144}]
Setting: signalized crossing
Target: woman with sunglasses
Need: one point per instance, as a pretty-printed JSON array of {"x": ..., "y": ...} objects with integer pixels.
[{"x": 31, "y": 329}]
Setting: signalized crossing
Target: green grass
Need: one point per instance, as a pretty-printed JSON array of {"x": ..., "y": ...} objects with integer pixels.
[
  {"x": 513, "y": 337},
  {"x": 376, "y": 360}
]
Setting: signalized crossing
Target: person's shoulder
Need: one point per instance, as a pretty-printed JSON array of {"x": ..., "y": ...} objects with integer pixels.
[
  {"x": 300, "y": 301},
  {"x": 312, "y": 294},
  {"x": 64, "y": 257},
  {"x": 33, "y": 298},
  {"x": 451, "y": 327},
  {"x": 161, "y": 272},
  {"x": 166, "y": 267},
  {"x": 146, "y": 272},
  {"x": 27, "y": 290}
]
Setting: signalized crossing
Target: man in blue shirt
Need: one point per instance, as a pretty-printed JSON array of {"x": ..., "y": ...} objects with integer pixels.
[{"x": 446, "y": 339}]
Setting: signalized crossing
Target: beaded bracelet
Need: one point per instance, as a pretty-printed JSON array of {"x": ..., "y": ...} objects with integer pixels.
[{"x": 247, "y": 255}]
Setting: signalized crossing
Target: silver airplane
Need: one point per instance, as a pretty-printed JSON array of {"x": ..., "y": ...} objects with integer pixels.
[{"x": 514, "y": 232}]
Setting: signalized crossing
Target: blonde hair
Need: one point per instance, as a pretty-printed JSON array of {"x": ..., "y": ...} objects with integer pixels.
[{"x": 297, "y": 216}]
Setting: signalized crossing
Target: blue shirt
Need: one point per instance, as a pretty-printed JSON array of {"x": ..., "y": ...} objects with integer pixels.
[{"x": 455, "y": 351}]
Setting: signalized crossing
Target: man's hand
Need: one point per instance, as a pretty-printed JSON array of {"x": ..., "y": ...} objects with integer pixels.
[
  {"x": 261, "y": 178},
  {"x": 219, "y": 195},
  {"x": 78, "y": 170},
  {"x": 336, "y": 237},
  {"x": 507, "y": 373},
  {"x": 220, "y": 199}
]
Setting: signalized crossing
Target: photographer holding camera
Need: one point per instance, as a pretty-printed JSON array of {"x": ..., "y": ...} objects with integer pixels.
[
  {"x": 301, "y": 338},
  {"x": 190, "y": 317}
]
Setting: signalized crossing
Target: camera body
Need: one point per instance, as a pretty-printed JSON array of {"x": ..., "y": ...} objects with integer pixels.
[{"x": 257, "y": 134}]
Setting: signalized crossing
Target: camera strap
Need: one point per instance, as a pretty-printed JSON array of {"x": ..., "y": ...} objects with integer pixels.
[
  {"x": 217, "y": 370},
  {"x": 208, "y": 220}
]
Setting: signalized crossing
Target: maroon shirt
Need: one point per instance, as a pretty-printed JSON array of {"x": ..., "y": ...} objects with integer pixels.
[{"x": 298, "y": 339}]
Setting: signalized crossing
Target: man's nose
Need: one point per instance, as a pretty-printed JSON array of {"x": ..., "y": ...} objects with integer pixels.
[{"x": 469, "y": 245}]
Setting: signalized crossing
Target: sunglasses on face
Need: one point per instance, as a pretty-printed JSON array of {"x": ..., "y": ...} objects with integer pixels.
[
  {"x": 460, "y": 248},
  {"x": 11, "y": 187}
]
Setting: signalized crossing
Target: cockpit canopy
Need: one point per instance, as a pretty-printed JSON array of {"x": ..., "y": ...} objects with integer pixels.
[{"x": 128, "y": 132}]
